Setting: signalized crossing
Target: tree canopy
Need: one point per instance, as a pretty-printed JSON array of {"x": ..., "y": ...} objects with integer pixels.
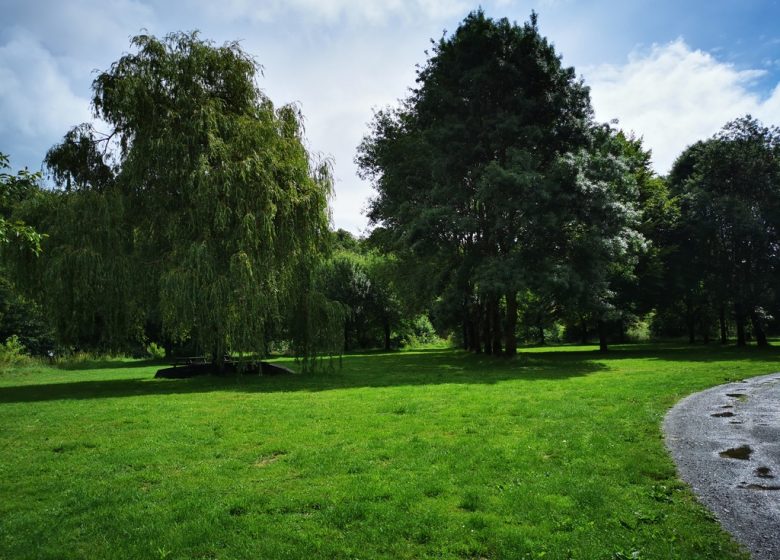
[
  {"x": 729, "y": 232},
  {"x": 215, "y": 207},
  {"x": 494, "y": 164},
  {"x": 14, "y": 189}
]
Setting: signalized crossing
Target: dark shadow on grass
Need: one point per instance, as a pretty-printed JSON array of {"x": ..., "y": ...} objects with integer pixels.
[
  {"x": 109, "y": 364},
  {"x": 376, "y": 370},
  {"x": 428, "y": 367},
  {"x": 680, "y": 352}
]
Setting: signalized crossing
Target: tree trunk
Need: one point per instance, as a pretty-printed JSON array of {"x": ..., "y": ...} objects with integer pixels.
[
  {"x": 739, "y": 319},
  {"x": 758, "y": 328},
  {"x": 466, "y": 327},
  {"x": 495, "y": 302},
  {"x": 584, "y": 327},
  {"x": 476, "y": 345},
  {"x": 487, "y": 335},
  {"x": 602, "y": 336},
  {"x": 690, "y": 322},
  {"x": 218, "y": 360},
  {"x": 346, "y": 335},
  {"x": 386, "y": 325},
  {"x": 168, "y": 346},
  {"x": 511, "y": 324},
  {"x": 722, "y": 319},
  {"x": 621, "y": 331},
  {"x": 539, "y": 326}
]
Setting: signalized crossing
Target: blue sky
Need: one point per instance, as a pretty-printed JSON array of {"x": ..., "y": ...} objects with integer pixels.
[{"x": 671, "y": 72}]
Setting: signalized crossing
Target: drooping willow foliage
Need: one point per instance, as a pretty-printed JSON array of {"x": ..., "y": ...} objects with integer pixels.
[{"x": 216, "y": 209}]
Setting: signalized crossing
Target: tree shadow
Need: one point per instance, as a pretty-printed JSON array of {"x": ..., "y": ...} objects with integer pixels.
[
  {"x": 109, "y": 364},
  {"x": 393, "y": 369},
  {"x": 683, "y": 352},
  {"x": 413, "y": 368}
]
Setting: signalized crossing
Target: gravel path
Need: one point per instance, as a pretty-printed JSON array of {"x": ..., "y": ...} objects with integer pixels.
[{"x": 726, "y": 443}]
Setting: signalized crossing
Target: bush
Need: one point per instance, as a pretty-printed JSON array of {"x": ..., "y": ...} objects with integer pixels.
[
  {"x": 24, "y": 319},
  {"x": 13, "y": 352},
  {"x": 418, "y": 331},
  {"x": 155, "y": 351},
  {"x": 640, "y": 331}
]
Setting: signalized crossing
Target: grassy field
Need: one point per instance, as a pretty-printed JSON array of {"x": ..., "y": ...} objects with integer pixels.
[{"x": 557, "y": 454}]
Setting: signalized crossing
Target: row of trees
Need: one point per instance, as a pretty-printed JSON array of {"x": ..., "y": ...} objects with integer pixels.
[
  {"x": 494, "y": 176},
  {"x": 727, "y": 241},
  {"x": 503, "y": 209}
]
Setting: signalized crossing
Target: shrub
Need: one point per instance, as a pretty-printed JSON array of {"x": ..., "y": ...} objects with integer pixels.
[
  {"x": 417, "y": 332},
  {"x": 640, "y": 331},
  {"x": 155, "y": 351},
  {"x": 12, "y": 351},
  {"x": 24, "y": 319}
]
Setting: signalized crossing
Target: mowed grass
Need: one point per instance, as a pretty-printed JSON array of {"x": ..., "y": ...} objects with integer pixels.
[{"x": 432, "y": 454}]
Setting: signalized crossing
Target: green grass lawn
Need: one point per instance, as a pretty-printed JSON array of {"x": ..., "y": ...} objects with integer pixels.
[{"x": 432, "y": 454}]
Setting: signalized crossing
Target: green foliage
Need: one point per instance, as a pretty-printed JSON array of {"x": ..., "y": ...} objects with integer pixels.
[
  {"x": 641, "y": 330},
  {"x": 155, "y": 351},
  {"x": 342, "y": 240},
  {"x": 91, "y": 279},
  {"x": 364, "y": 285},
  {"x": 725, "y": 243},
  {"x": 231, "y": 201},
  {"x": 494, "y": 170},
  {"x": 200, "y": 214},
  {"x": 417, "y": 332},
  {"x": 78, "y": 161},
  {"x": 23, "y": 320},
  {"x": 12, "y": 352},
  {"x": 14, "y": 189}
]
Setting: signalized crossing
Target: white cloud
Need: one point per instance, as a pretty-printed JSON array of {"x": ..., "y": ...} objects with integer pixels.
[
  {"x": 83, "y": 35},
  {"x": 673, "y": 96},
  {"x": 334, "y": 11},
  {"x": 341, "y": 58},
  {"x": 36, "y": 100},
  {"x": 338, "y": 80}
]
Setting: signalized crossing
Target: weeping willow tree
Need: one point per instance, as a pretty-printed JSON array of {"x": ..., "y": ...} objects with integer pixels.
[
  {"x": 224, "y": 209},
  {"x": 88, "y": 276}
]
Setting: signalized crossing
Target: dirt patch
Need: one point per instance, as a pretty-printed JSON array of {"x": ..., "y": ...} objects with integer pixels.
[{"x": 271, "y": 458}]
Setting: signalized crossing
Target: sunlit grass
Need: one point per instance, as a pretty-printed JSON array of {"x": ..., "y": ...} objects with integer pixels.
[{"x": 422, "y": 454}]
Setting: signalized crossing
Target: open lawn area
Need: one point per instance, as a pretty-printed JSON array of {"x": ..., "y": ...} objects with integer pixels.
[{"x": 557, "y": 454}]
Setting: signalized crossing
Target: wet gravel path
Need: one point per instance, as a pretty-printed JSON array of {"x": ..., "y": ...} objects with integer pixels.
[{"x": 726, "y": 443}]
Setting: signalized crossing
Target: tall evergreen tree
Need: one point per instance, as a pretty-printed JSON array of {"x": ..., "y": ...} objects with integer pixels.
[{"x": 486, "y": 167}]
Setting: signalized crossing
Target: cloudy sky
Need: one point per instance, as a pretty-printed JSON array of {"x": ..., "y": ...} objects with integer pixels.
[{"x": 672, "y": 72}]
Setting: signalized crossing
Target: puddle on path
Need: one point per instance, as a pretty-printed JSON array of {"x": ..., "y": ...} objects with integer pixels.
[
  {"x": 759, "y": 487},
  {"x": 742, "y": 453},
  {"x": 764, "y": 472}
]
